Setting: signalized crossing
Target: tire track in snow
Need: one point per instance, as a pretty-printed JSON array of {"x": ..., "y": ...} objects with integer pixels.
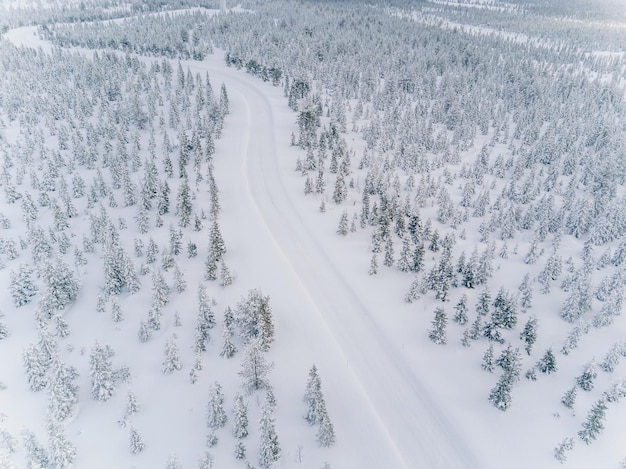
[{"x": 420, "y": 432}]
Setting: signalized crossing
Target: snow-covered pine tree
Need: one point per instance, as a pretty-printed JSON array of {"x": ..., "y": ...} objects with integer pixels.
[
  {"x": 438, "y": 332},
  {"x": 488, "y": 361},
  {"x": 36, "y": 454},
  {"x": 560, "y": 452},
  {"x": 136, "y": 442},
  {"x": 269, "y": 448},
  {"x": 460, "y": 315},
  {"x": 254, "y": 319},
  {"x": 101, "y": 372},
  {"x": 62, "y": 390},
  {"x": 547, "y": 363},
  {"x": 228, "y": 347},
  {"x": 254, "y": 368},
  {"x": 529, "y": 334},
  {"x": 216, "y": 415},
  {"x": 594, "y": 423},
  {"x": 240, "y": 417},
  {"x": 172, "y": 356},
  {"x": 586, "y": 379},
  {"x": 61, "y": 452},
  {"x": 569, "y": 398},
  {"x": 22, "y": 287}
]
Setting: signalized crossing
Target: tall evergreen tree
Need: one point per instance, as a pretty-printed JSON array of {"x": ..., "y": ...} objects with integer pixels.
[
  {"x": 216, "y": 415},
  {"x": 101, "y": 372},
  {"x": 254, "y": 368},
  {"x": 269, "y": 450},
  {"x": 438, "y": 332}
]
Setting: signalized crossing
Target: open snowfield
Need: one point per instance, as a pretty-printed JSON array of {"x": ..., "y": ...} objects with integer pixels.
[{"x": 396, "y": 399}]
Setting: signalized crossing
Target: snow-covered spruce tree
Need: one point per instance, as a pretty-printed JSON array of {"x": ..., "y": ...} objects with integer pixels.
[
  {"x": 500, "y": 395},
  {"x": 587, "y": 377},
  {"x": 529, "y": 334},
  {"x": 205, "y": 462},
  {"x": 4, "y": 331},
  {"x": 226, "y": 278},
  {"x": 560, "y": 452},
  {"x": 326, "y": 432},
  {"x": 342, "y": 230},
  {"x": 62, "y": 390},
  {"x": 254, "y": 368},
  {"x": 61, "y": 452},
  {"x": 206, "y": 319},
  {"x": 594, "y": 423},
  {"x": 36, "y": 454},
  {"x": 101, "y": 372},
  {"x": 253, "y": 316},
  {"x": 160, "y": 290},
  {"x": 228, "y": 347},
  {"x": 612, "y": 357},
  {"x": 216, "y": 241},
  {"x": 173, "y": 462},
  {"x": 569, "y": 398},
  {"x": 488, "y": 360},
  {"x": 36, "y": 365},
  {"x": 216, "y": 415},
  {"x": 269, "y": 448},
  {"x": 504, "y": 312},
  {"x": 61, "y": 287},
  {"x": 240, "y": 417},
  {"x": 22, "y": 287},
  {"x": 172, "y": 357},
  {"x": 145, "y": 332},
  {"x": 136, "y": 442},
  {"x": 547, "y": 363},
  {"x": 132, "y": 404},
  {"x": 184, "y": 207},
  {"x": 460, "y": 315},
  {"x": 438, "y": 332},
  {"x": 240, "y": 451}
]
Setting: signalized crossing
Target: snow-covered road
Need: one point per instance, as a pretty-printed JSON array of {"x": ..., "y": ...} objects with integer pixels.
[{"x": 419, "y": 433}]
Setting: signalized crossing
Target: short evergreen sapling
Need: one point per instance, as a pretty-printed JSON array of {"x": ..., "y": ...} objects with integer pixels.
[
  {"x": 226, "y": 278},
  {"x": 342, "y": 230},
  {"x": 132, "y": 404},
  {"x": 205, "y": 462},
  {"x": 240, "y": 451},
  {"x": 145, "y": 332}
]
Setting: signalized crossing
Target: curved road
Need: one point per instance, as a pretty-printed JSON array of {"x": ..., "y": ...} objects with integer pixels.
[{"x": 421, "y": 435}]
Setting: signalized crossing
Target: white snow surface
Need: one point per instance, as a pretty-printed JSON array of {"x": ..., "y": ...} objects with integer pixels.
[{"x": 390, "y": 392}]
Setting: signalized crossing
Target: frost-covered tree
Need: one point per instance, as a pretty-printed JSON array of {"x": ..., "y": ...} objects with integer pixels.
[
  {"x": 504, "y": 312},
  {"x": 22, "y": 287},
  {"x": 569, "y": 398},
  {"x": 136, "y": 442},
  {"x": 228, "y": 347},
  {"x": 36, "y": 365},
  {"x": 206, "y": 319},
  {"x": 132, "y": 404},
  {"x": 269, "y": 447},
  {"x": 172, "y": 356},
  {"x": 488, "y": 360},
  {"x": 529, "y": 334},
  {"x": 216, "y": 415},
  {"x": 160, "y": 290},
  {"x": 594, "y": 423},
  {"x": 62, "y": 390},
  {"x": 101, "y": 372},
  {"x": 500, "y": 395},
  {"x": 560, "y": 452},
  {"x": 61, "y": 452},
  {"x": 460, "y": 315},
  {"x": 240, "y": 417},
  {"x": 547, "y": 363},
  {"x": 586, "y": 379},
  {"x": 254, "y": 368},
  {"x": 36, "y": 454},
  {"x": 61, "y": 287},
  {"x": 438, "y": 332},
  {"x": 253, "y": 316}
]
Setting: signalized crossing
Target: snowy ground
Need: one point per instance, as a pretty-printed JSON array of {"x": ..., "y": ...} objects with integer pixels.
[{"x": 389, "y": 390}]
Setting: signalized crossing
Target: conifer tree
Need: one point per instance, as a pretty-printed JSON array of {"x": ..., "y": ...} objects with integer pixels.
[
  {"x": 36, "y": 367},
  {"x": 101, "y": 372},
  {"x": 36, "y": 454},
  {"x": 563, "y": 447},
  {"x": 240, "y": 417},
  {"x": 342, "y": 230},
  {"x": 438, "y": 332},
  {"x": 254, "y": 368},
  {"x": 61, "y": 452},
  {"x": 460, "y": 316},
  {"x": 547, "y": 363},
  {"x": 569, "y": 398},
  {"x": 269, "y": 450},
  {"x": 136, "y": 442},
  {"x": 529, "y": 334},
  {"x": 22, "y": 287},
  {"x": 216, "y": 415},
  {"x": 488, "y": 362},
  {"x": 228, "y": 348},
  {"x": 63, "y": 392},
  {"x": 172, "y": 357},
  {"x": 594, "y": 423},
  {"x": 586, "y": 380}
]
